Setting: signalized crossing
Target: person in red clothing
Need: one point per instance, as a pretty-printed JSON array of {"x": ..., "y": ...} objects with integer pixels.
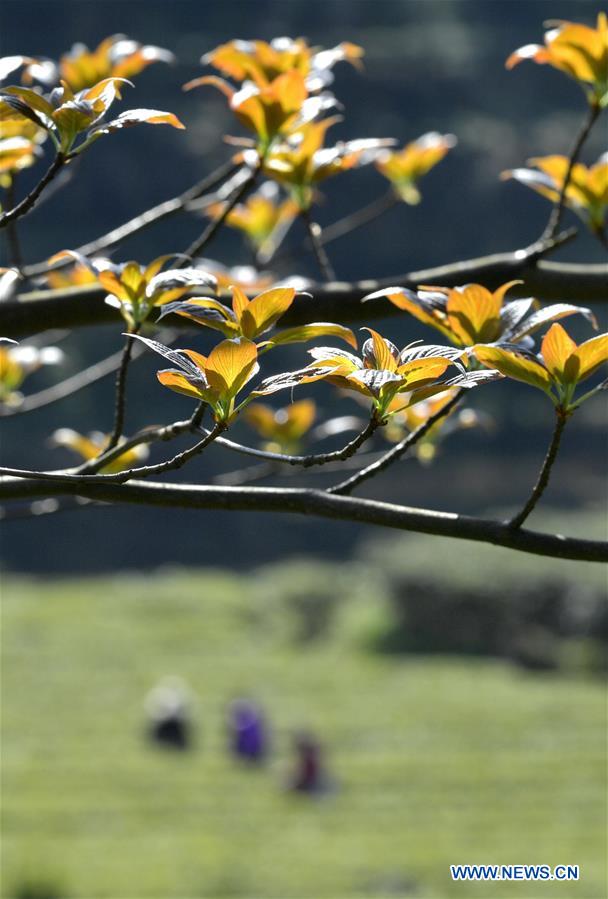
[{"x": 310, "y": 775}]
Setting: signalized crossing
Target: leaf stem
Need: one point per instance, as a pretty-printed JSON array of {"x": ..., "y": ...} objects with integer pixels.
[{"x": 561, "y": 418}]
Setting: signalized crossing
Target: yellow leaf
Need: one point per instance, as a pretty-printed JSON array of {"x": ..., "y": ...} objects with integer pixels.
[
  {"x": 220, "y": 83},
  {"x": 591, "y": 355},
  {"x": 474, "y": 313},
  {"x": 557, "y": 347},
  {"x": 514, "y": 366},
  {"x": 301, "y": 333},
  {"x": 179, "y": 383},
  {"x": 263, "y": 311},
  {"x": 384, "y": 359},
  {"x": 230, "y": 364},
  {"x": 199, "y": 360},
  {"x": 422, "y": 369},
  {"x": 110, "y": 282},
  {"x": 240, "y": 301}
]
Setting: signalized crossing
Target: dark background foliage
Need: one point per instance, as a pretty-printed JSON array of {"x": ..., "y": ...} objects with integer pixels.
[{"x": 429, "y": 66}]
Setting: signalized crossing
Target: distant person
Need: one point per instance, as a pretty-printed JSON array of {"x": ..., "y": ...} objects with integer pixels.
[
  {"x": 248, "y": 732},
  {"x": 309, "y": 775},
  {"x": 167, "y": 708}
]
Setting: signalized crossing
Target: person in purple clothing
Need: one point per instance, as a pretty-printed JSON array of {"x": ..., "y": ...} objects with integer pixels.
[{"x": 248, "y": 732}]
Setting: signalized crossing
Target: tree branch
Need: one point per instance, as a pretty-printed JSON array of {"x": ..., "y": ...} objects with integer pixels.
[
  {"x": 121, "y": 477},
  {"x": 340, "y": 301},
  {"x": 214, "y": 226},
  {"x": 142, "y": 221},
  {"x": 15, "y": 257},
  {"x": 76, "y": 382},
  {"x": 396, "y": 452},
  {"x": 558, "y": 209},
  {"x": 545, "y": 472},
  {"x": 319, "y": 503},
  {"x": 343, "y": 226},
  {"x": 22, "y": 208}
]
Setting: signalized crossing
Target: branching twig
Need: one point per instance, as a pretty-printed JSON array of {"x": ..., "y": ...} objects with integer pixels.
[
  {"x": 196, "y": 248},
  {"x": 121, "y": 477},
  {"x": 314, "y": 233},
  {"x": 315, "y": 502},
  {"x": 76, "y": 382},
  {"x": 121, "y": 393},
  {"x": 15, "y": 259},
  {"x": 343, "y": 226},
  {"x": 558, "y": 209},
  {"x": 396, "y": 452},
  {"x": 545, "y": 472},
  {"x": 22, "y": 208},
  {"x": 310, "y": 460},
  {"x": 144, "y": 220}
]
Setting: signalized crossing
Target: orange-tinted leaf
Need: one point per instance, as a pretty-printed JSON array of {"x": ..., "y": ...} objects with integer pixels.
[
  {"x": 111, "y": 283},
  {"x": 220, "y": 83}
]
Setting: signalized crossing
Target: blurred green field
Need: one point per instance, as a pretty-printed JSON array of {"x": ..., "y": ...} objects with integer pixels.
[{"x": 440, "y": 760}]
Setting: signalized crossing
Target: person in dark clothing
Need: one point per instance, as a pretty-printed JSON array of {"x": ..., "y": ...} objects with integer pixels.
[{"x": 167, "y": 709}]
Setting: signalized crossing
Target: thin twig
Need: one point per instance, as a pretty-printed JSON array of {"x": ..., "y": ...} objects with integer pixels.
[
  {"x": 315, "y": 235},
  {"x": 543, "y": 478},
  {"x": 22, "y": 208},
  {"x": 304, "y": 501},
  {"x": 77, "y": 382},
  {"x": 150, "y": 217},
  {"x": 396, "y": 452},
  {"x": 197, "y": 246},
  {"x": 15, "y": 258},
  {"x": 542, "y": 247},
  {"x": 121, "y": 477},
  {"x": 558, "y": 209},
  {"x": 341, "y": 227},
  {"x": 310, "y": 460},
  {"x": 168, "y": 433},
  {"x": 120, "y": 393},
  {"x": 145, "y": 436},
  {"x": 601, "y": 235}
]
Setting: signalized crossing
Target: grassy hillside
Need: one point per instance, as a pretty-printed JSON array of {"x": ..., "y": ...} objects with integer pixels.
[{"x": 439, "y": 760}]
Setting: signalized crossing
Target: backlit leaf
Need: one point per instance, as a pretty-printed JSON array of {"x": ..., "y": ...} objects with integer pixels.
[
  {"x": 514, "y": 366},
  {"x": 301, "y": 333}
]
